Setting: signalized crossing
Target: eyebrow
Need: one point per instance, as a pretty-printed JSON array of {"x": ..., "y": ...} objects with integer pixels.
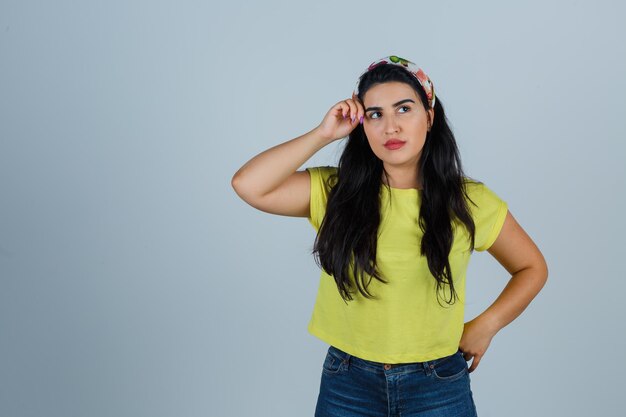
[{"x": 394, "y": 104}]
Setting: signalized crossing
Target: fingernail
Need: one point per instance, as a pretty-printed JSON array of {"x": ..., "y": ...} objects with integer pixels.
[
  {"x": 344, "y": 115},
  {"x": 353, "y": 119},
  {"x": 361, "y": 119}
]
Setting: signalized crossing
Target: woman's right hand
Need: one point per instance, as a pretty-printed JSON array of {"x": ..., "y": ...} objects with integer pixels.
[{"x": 341, "y": 119}]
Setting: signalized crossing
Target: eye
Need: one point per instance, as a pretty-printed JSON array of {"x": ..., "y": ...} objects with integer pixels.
[{"x": 376, "y": 112}]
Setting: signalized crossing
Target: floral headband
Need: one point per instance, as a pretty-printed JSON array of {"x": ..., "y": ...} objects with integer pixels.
[{"x": 413, "y": 69}]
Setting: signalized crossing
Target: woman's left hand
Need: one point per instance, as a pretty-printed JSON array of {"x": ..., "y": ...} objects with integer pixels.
[{"x": 477, "y": 335}]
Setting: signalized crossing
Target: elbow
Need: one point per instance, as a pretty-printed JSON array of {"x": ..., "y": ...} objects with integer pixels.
[
  {"x": 540, "y": 266},
  {"x": 238, "y": 181},
  {"x": 238, "y": 186},
  {"x": 244, "y": 190},
  {"x": 234, "y": 182},
  {"x": 543, "y": 265},
  {"x": 542, "y": 272},
  {"x": 538, "y": 271}
]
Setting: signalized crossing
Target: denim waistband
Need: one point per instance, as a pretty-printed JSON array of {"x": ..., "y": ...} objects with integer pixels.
[{"x": 379, "y": 366}]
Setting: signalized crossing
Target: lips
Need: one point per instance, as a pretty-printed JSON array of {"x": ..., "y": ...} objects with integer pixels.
[{"x": 394, "y": 144}]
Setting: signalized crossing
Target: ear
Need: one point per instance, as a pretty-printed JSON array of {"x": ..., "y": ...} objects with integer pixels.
[{"x": 431, "y": 118}]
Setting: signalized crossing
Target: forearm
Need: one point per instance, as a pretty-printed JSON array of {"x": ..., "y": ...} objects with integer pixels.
[
  {"x": 270, "y": 168},
  {"x": 515, "y": 297}
]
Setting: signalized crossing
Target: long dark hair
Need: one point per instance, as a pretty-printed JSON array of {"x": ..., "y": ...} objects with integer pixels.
[{"x": 347, "y": 238}]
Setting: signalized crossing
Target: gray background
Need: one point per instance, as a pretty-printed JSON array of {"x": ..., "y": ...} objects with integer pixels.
[{"x": 134, "y": 281}]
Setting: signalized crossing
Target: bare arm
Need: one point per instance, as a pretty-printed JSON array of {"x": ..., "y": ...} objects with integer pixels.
[
  {"x": 270, "y": 182},
  {"x": 519, "y": 255},
  {"x": 275, "y": 169}
]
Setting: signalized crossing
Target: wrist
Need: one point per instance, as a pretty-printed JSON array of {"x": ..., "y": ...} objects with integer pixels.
[{"x": 320, "y": 137}]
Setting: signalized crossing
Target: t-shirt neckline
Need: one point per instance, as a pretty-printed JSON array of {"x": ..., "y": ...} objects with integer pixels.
[{"x": 411, "y": 192}]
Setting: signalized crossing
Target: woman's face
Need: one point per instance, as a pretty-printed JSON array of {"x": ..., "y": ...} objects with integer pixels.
[{"x": 394, "y": 111}]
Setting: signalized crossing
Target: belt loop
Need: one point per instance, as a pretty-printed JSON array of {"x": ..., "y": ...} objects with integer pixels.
[
  {"x": 346, "y": 360},
  {"x": 427, "y": 367}
]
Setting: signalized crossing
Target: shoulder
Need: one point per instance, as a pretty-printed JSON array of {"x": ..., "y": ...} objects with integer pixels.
[
  {"x": 323, "y": 174},
  {"x": 489, "y": 212},
  {"x": 478, "y": 190},
  {"x": 483, "y": 201},
  {"x": 326, "y": 170},
  {"x": 322, "y": 180}
]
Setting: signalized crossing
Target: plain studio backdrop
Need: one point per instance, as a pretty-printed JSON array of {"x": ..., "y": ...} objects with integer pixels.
[{"x": 135, "y": 282}]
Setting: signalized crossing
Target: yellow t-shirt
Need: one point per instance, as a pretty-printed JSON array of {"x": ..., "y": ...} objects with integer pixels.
[{"x": 406, "y": 323}]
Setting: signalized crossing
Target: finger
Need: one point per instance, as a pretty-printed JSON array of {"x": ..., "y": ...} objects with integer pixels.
[
  {"x": 344, "y": 108},
  {"x": 357, "y": 100},
  {"x": 359, "y": 105},
  {"x": 475, "y": 363},
  {"x": 356, "y": 97},
  {"x": 353, "y": 114}
]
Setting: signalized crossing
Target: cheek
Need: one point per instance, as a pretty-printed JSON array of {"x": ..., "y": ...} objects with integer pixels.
[
  {"x": 371, "y": 130},
  {"x": 369, "y": 138}
]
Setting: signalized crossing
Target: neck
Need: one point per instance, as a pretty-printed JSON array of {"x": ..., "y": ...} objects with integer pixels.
[{"x": 402, "y": 178}]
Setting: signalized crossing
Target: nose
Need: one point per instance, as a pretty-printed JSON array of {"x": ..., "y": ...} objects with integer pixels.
[{"x": 391, "y": 125}]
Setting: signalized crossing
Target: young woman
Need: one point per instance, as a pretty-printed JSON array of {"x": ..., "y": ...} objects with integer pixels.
[{"x": 396, "y": 222}]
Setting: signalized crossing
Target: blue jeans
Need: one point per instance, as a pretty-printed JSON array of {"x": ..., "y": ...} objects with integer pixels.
[{"x": 351, "y": 387}]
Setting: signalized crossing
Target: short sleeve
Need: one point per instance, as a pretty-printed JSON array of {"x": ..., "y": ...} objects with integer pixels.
[
  {"x": 488, "y": 214},
  {"x": 320, "y": 188}
]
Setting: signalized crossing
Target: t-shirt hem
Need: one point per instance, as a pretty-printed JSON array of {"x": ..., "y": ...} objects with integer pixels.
[{"x": 377, "y": 357}]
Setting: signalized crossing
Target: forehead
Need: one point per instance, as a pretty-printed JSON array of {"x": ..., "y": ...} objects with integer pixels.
[{"x": 385, "y": 94}]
